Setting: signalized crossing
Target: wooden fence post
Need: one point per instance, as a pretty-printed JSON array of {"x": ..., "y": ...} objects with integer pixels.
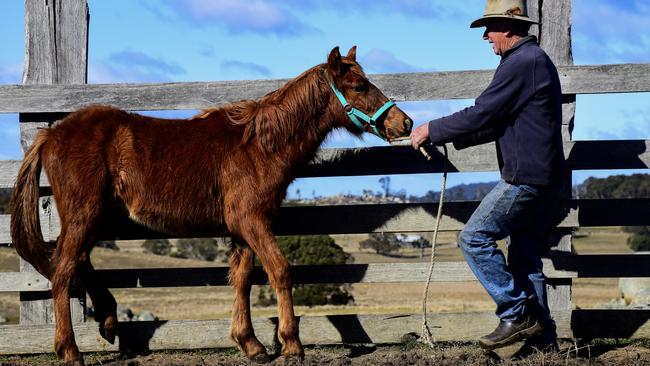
[
  {"x": 56, "y": 52},
  {"x": 554, "y": 34}
]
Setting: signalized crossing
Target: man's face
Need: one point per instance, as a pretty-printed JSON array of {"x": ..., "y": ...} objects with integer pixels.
[{"x": 496, "y": 32}]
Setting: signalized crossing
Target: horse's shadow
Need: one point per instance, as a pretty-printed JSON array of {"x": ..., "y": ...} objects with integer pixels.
[{"x": 353, "y": 336}]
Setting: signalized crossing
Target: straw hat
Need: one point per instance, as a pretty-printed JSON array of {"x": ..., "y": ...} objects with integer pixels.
[{"x": 508, "y": 9}]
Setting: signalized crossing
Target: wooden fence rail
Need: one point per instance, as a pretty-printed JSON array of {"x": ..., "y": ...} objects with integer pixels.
[
  {"x": 581, "y": 155},
  {"x": 558, "y": 266},
  {"x": 595, "y": 79},
  {"x": 387, "y": 218}
]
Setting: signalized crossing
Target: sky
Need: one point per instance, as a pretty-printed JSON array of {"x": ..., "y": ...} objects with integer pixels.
[{"x": 134, "y": 41}]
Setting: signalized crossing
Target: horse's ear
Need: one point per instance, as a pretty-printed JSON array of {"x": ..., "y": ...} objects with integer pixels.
[
  {"x": 334, "y": 62},
  {"x": 352, "y": 53}
]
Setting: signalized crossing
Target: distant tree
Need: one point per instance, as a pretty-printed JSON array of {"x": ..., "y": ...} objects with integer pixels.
[
  {"x": 385, "y": 185},
  {"x": 456, "y": 194},
  {"x": 621, "y": 187},
  {"x": 401, "y": 194},
  {"x": 205, "y": 249},
  {"x": 639, "y": 243},
  {"x": 157, "y": 246},
  {"x": 108, "y": 244},
  {"x": 382, "y": 243},
  {"x": 308, "y": 250},
  {"x": 616, "y": 186},
  {"x": 640, "y": 230},
  {"x": 421, "y": 243},
  {"x": 5, "y": 197},
  {"x": 431, "y": 196}
]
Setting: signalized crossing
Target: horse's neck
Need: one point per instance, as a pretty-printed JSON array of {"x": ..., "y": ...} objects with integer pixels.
[{"x": 316, "y": 119}]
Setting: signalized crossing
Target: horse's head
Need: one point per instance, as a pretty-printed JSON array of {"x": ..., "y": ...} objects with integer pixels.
[{"x": 369, "y": 110}]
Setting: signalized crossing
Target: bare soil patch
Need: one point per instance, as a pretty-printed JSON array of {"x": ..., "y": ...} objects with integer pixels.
[{"x": 408, "y": 354}]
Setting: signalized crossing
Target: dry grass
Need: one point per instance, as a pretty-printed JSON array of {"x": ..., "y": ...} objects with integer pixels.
[{"x": 215, "y": 302}]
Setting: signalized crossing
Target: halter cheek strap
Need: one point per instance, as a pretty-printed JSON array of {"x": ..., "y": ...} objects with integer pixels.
[{"x": 356, "y": 115}]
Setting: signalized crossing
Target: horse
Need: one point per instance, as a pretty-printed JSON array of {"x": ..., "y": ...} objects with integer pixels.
[{"x": 227, "y": 167}]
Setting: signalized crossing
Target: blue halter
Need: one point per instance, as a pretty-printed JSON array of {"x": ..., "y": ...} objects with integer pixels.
[{"x": 356, "y": 114}]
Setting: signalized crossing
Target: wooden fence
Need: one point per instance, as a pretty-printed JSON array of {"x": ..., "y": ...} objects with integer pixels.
[{"x": 55, "y": 76}]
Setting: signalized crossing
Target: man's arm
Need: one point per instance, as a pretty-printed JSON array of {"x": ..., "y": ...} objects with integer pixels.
[{"x": 490, "y": 108}]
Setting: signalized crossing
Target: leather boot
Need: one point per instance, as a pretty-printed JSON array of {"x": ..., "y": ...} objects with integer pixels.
[{"x": 511, "y": 331}]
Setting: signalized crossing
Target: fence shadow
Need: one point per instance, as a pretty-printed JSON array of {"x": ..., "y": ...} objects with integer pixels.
[
  {"x": 135, "y": 337},
  {"x": 623, "y": 154},
  {"x": 598, "y": 323}
]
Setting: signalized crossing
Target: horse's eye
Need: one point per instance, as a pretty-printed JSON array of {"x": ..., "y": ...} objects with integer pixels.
[{"x": 359, "y": 88}]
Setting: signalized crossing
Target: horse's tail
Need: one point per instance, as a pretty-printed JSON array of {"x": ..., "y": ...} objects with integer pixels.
[{"x": 25, "y": 223}]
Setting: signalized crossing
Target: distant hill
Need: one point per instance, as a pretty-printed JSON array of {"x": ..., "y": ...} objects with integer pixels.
[
  {"x": 616, "y": 186},
  {"x": 462, "y": 192},
  {"x": 468, "y": 192}
]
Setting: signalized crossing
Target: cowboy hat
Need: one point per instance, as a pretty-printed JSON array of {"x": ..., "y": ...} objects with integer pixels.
[{"x": 505, "y": 9}]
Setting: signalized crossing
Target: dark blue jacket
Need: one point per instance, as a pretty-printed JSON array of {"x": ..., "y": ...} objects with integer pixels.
[{"x": 522, "y": 107}]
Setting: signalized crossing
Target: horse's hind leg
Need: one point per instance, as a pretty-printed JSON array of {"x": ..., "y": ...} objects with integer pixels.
[
  {"x": 66, "y": 265},
  {"x": 103, "y": 302},
  {"x": 241, "y": 328}
]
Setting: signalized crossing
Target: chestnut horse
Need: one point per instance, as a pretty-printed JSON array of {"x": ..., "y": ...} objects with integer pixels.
[{"x": 228, "y": 167}]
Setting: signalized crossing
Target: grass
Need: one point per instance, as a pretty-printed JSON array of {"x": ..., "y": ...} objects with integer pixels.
[{"x": 215, "y": 302}]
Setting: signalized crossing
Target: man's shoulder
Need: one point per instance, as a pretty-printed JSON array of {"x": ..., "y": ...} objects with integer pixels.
[
  {"x": 527, "y": 55},
  {"x": 528, "y": 52}
]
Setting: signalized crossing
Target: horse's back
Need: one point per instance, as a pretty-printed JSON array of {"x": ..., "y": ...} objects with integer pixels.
[{"x": 161, "y": 173}]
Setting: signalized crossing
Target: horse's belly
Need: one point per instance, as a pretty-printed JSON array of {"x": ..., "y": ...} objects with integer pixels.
[{"x": 178, "y": 217}]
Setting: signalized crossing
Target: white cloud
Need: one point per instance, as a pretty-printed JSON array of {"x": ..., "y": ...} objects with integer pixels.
[
  {"x": 381, "y": 61},
  {"x": 428, "y": 9},
  {"x": 247, "y": 67},
  {"x": 611, "y": 31},
  {"x": 256, "y": 16},
  {"x": 132, "y": 66}
]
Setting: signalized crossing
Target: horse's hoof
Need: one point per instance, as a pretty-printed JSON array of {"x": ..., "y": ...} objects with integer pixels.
[
  {"x": 260, "y": 358},
  {"x": 294, "y": 353},
  {"x": 290, "y": 360},
  {"x": 107, "y": 330}
]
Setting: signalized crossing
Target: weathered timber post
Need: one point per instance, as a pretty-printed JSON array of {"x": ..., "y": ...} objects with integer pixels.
[
  {"x": 56, "y": 50},
  {"x": 554, "y": 35}
]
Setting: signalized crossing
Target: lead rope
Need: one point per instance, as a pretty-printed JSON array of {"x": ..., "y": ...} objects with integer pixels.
[{"x": 427, "y": 337}]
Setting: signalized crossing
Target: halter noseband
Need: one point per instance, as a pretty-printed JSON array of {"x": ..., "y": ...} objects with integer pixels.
[{"x": 355, "y": 114}]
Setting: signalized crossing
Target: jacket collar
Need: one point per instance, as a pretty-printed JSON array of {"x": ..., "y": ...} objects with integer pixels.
[{"x": 518, "y": 45}]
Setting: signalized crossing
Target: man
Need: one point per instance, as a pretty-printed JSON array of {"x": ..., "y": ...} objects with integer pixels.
[{"x": 520, "y": 109}]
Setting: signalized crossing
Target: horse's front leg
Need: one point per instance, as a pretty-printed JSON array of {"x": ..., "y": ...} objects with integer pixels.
[
  {"x": 258, "y": 235},
  {"x": 241, "y": 328}
]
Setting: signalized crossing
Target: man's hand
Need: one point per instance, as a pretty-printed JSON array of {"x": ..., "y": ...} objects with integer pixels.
[{"x": 419, "y": 135}]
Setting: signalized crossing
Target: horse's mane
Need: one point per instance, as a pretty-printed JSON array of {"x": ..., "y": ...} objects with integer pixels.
[{"x": 276, "y": 117}]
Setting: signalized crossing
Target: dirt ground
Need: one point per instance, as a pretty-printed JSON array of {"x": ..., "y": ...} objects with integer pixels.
[{"x": 597, "y": 354}]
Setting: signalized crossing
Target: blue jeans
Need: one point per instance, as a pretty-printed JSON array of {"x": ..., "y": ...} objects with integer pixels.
[{"x": 520, "y": 212}]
